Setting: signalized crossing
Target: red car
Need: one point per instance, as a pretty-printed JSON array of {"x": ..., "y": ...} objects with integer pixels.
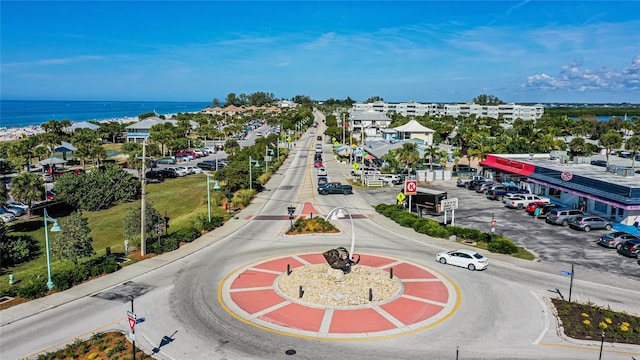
[
  {"x": 533, "y": 206},
  {"x": 318, "y": 164}
]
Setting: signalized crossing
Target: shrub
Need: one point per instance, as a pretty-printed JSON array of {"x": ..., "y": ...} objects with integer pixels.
[
  {"x": 186, "y": 234},
  {"x": 34, "y": 289},
  {"x": 469, "y": 234},
  {"x": 502, "y": 245},
  {"x": 405, "y": 219},
  {"x": 17, "y": 249},
  {"x": 202, "y": 222}
]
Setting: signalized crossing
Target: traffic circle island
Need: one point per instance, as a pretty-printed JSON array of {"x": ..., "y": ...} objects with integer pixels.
[{"x": 301, "y": 295}]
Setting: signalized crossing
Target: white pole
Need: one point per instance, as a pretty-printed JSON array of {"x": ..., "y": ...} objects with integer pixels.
[
  {"x": 143, "y": 204},
  {"x": 453, "y": 212},
  {"x": 353, "y": 230}
]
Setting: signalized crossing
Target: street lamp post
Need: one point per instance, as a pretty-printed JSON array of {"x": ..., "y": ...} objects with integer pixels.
[
  {"x": 257, "y": 164},
  {"x": 216, "y": 186},
  {"x": 54, "y": 228},
  {"x": 338, "y": 213}
]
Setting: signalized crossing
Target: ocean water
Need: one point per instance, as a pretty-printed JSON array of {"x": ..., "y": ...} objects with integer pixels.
[{"x": 20, "y": 113}]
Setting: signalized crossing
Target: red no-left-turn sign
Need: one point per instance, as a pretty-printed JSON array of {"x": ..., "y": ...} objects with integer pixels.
[{"x": 410, "y": 187}]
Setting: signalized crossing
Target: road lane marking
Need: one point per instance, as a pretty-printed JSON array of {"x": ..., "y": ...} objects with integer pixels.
[{"x": 546, "y": 319}]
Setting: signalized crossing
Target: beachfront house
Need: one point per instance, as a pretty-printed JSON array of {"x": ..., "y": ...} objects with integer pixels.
[{"x": 140, "y": 131}]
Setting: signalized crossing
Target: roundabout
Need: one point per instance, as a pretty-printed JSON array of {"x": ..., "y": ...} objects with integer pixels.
[{"x": 301, "y": 296}]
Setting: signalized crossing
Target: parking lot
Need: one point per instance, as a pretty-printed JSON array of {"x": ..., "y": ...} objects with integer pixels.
[{"x": 550, "y": 243}]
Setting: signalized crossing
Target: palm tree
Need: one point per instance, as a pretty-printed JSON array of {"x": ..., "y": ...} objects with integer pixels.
[
  {"x": 409, "y": 155},
  {"x": 27, "y": 188},
  {"x": 610, "y": 140},
  {"x": 432, "y": 153},
  {"x": 633, "y": 145}
]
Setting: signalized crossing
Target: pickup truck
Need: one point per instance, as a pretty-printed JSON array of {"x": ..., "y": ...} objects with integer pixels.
[
  {"x": 521, "y": 201},
  {"x": 335, "y": 188},
  {"x": 464, "y": 182},
  {"x": 499, "y": 193}
]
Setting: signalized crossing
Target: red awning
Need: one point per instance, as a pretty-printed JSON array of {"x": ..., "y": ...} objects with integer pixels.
[{"x": 508, "y": 165}]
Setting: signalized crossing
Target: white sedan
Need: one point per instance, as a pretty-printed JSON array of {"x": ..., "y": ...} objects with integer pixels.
[
  {"x": 322, "y": 171},
  {"x": 463, "y": 258}
]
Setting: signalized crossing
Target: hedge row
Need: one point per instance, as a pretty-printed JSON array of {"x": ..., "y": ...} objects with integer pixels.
[
  {"x": 66, "y": 278},
  {"x": 500, "y": 244}
]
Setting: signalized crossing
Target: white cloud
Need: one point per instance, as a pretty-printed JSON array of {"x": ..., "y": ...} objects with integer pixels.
[{"x": 574, "y": 77}]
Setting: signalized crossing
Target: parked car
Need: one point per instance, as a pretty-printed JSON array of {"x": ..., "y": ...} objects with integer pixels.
[
  {"x": 464, "y": 258},
  {"x": 500, "y": 191},
  {"x": 199, "y": 153},
  {"x": 599, "y": 162},
  {"x": 155, "y": 176},
  {"x": 335, "y": 188},
  {"x": 533, "y": 206},
  {"x": 464, "y": 168},
  {"x": 48, "y": 178},
  {"x": 15, "y": 210},
  {"x": 524, "y": 200},
  {"x": 193, "y": 169},
  {"x": 544, "y": 209},
  {"x": 562, "y": 216},
  {"x": 167, "y": 173},
  {"x": 590, "y": 222},
  {"x": 322, "y": 180},
  {"x": 179, "y": 172},
  {"x": 630, "y": 248},
  {"x": 317, "y": 163},
  {"x": 207, "y": 165},
  {"x": 483, "y": 187},
  {"x": 616, "y": 239},
  {"x": 7, "y": 217},
  {"x": 322, "y": 171},
  {"x": 21, "y": 205},
  {"x": 167, "y": 160}
]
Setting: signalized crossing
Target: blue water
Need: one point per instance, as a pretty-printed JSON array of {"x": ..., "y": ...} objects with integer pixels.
[{"x": 19, "y": 113}]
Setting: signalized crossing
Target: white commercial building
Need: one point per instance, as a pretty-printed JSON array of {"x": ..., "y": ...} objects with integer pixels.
[{"x": 508, "y": 112}]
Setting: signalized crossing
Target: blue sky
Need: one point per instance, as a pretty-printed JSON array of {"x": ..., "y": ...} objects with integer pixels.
[{"x": 426, "y": 51}]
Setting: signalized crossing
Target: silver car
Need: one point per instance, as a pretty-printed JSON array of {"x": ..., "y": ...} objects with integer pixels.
[
  {"x": 616, "y": 239},
  {"x": 590, "y": 222}
]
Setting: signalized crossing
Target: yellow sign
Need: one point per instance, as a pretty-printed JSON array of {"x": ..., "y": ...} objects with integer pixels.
[
  {"x": 333, "y": 139},
  {"x": 288, "y": 139},
  {"x": 400, "y": 197},
  {"x": 356, "y": 166}
]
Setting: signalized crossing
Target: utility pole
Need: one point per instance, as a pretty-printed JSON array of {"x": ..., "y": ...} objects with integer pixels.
[
  {"x": 362, "y": 155},
  {"x": 143, "y": 203},
  {"x": 343, "y": 139}
]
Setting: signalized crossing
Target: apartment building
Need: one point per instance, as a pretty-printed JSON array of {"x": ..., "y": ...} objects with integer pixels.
[{"x": 508, "y": 112}]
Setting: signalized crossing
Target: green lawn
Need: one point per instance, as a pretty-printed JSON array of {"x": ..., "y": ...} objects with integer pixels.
[{"x": 182, "y": 199}]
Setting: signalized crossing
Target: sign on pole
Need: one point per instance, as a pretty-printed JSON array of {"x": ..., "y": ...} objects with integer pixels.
[
  {"x": 449, "y": 204},
  {"x": 410, "y": 187},
  {"x": 132, "y": 323}
]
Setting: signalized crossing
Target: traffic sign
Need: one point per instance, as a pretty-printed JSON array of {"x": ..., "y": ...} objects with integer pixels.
[
  {"x": 565, "y": 272},
  {"x": 132, "y": 323},
  {"x": 356, "y": 166},
  {"x": 410, "y": 187},
  {"x": 139, "y": 320},
  {"x": 131, "y": 314},
  {"x": 400, "y": 197},
  {"x": 493, "y": 223}
]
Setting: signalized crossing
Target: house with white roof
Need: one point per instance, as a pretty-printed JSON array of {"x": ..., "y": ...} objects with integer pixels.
[
  {"x": 140, "y": 131},
  {"x": 413, "y": 130}
]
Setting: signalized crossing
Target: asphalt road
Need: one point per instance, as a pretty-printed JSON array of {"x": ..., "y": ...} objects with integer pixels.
[{"x": 502, "y": 312}]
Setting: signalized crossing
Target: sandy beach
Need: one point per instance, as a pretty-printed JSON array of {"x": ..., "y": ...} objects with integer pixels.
[{"x": 15, "y": 133}]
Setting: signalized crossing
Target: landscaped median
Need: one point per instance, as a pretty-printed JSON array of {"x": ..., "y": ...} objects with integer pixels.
[{"x": 499, "y": 244}]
